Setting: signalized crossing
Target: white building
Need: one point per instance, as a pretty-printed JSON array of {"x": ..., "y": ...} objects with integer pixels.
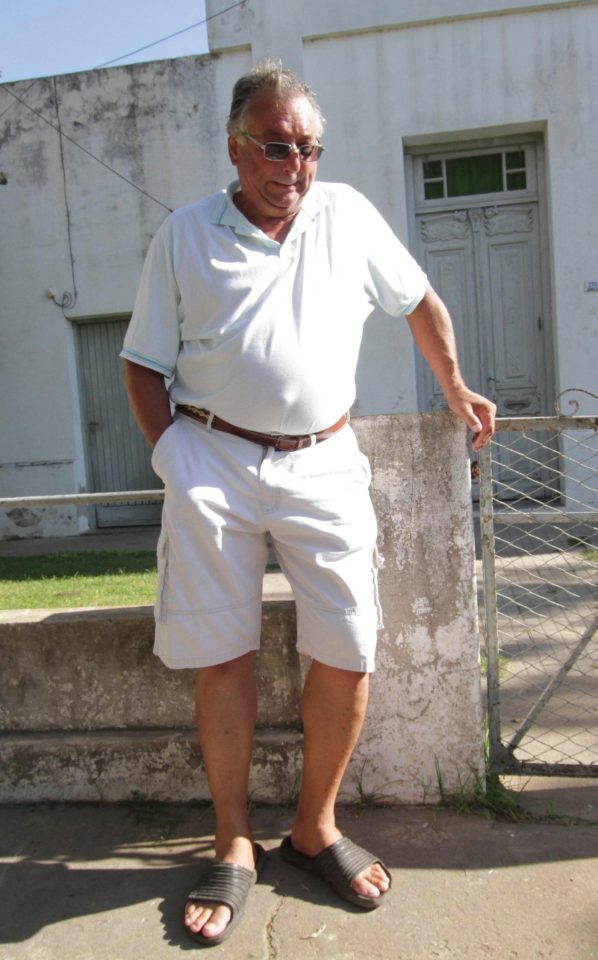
[{"x": 471, "y": 124}]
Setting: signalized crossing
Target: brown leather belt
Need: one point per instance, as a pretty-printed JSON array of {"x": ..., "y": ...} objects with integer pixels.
[{"x": 285, "y": 442}]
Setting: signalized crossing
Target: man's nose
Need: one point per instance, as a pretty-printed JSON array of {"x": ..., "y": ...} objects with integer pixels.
[{"x": 294, "y": 158}]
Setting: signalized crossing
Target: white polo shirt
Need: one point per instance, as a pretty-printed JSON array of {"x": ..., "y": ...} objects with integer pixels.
[{"x": 263, "y": 334}]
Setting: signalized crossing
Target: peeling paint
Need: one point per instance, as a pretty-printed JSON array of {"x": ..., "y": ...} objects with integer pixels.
[{"x": 23, "y": 517}]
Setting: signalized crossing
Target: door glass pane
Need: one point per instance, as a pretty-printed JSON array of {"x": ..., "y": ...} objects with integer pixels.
[
  {"x": 516, "y": 180},
  {"x": 515, "y": 160},
  {"x": 433, "y": 189},
  {"x": 515, "y": 169},
  {"x": 433, "y": 180},
  {"x": 471, "y": 175}
]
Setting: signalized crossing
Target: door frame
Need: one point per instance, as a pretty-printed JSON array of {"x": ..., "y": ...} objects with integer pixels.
[{"x": 460, "y": 144}]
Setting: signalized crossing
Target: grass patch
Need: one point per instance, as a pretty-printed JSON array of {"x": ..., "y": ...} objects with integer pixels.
[
  {"x": 483, "y": 794},
  {"x": 102, "y": 579},
  {"x": 503, "y": 664}
]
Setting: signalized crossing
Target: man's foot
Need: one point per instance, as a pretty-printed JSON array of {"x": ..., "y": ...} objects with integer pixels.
[
  {"x": 215, "y": 907},
  {"x": 346, "y": 867}
]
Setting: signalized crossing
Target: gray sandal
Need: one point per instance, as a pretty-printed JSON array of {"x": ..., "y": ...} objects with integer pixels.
[
  {"x": 228, "y": 885},
  {"x": 338, "y": 865}
]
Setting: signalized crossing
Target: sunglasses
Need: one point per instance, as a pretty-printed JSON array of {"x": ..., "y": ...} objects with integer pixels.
[{"x": 307, "y": 152}]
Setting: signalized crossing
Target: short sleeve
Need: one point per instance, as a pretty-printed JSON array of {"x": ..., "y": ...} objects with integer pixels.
[
  {"x": 153, "y": 335},
  {"x": 395, "y": 281}
]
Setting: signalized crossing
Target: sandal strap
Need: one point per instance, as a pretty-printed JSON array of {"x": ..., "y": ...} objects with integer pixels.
[
  {"x": 224, "y": 883},
  {"x": 343, "y": 860}
]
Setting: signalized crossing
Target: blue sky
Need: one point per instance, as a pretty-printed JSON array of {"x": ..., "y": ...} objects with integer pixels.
[{"x": 41, "y": 38}]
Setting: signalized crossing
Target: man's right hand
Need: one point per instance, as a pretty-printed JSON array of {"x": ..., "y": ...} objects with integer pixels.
[{"x": 148, "y": 399}]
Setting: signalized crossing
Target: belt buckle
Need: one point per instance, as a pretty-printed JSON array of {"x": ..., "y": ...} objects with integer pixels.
[
  {"x": 292, "y": 444},
  {"x": 285, "y": 445}
]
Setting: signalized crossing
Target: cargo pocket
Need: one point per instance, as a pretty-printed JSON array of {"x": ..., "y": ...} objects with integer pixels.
[
  {"x": 377, "y": 564},
  {"x": 155, "y": 459},
  {"x": 162, "y": 553}
]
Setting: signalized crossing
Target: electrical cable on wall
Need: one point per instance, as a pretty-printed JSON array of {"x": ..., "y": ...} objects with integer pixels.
[{"x": 67, "y": 300}]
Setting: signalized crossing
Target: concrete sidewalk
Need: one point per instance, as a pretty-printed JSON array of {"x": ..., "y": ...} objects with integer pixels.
[{"x": 109, "y": 883}]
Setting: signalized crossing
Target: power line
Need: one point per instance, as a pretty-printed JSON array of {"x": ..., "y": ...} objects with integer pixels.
[
  {"x": 85, "y": 150},
  {"x": 154, "y": 43},
  {"x": 191, "y": 26},
  {"x": 11, "y": 105},
  {"x": 75, "y": 143}
]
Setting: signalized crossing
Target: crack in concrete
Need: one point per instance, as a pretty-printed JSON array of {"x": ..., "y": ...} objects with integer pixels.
[{"x": 270, "y": 934}]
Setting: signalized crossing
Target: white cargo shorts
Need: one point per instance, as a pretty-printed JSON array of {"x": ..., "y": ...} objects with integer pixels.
[{"x": 222, "y": 495}]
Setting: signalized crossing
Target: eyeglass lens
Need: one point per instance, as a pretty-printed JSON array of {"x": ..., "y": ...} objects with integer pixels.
[{"x": 281, "y": 151}]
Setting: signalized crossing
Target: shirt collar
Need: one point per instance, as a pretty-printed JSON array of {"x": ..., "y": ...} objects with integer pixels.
[{"x": 229, "y": 215}]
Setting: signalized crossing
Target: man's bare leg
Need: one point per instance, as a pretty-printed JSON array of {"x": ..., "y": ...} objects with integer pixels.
[
  {"x": 226, "y": 714},
  {"x": 333, "y": 710}
]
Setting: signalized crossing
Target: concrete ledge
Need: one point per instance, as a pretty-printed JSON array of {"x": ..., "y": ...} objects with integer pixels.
[
  {"x": 94, "y": 669},
  {"x": 115, "y": 766}
]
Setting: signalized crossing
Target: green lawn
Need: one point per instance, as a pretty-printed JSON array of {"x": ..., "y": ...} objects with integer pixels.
[{"x": 103, "y": 579}]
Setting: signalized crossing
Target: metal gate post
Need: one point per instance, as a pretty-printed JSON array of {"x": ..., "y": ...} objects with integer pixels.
[{"x": 497, "y": 752}]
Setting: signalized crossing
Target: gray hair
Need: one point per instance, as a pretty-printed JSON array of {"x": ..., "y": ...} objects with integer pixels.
[{"x": 282, "y": 84}]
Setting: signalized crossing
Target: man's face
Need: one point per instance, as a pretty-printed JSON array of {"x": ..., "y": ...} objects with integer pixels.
[{"x": 272, "y": 191}]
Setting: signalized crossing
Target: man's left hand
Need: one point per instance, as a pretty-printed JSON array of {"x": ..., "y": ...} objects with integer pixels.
[{"x": 479, "y": 414}]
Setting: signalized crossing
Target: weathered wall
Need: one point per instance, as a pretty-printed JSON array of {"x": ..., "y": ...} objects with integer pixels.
[
  {"x": 88, "y": 712},
  {"x": 160, "y": 125},
  {"x": 425, "y": 717}
]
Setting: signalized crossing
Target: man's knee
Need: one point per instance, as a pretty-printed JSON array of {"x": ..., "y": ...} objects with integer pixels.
[{"x": 236, "y": 669}]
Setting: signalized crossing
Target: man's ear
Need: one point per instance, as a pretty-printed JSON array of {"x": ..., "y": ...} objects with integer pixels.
[{"x": 233, "y": 149}]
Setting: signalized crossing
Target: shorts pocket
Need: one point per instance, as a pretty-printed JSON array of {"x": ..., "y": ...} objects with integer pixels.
[
  {"x": 157, "y": 458},
  {"x": 160, "y": 606}
]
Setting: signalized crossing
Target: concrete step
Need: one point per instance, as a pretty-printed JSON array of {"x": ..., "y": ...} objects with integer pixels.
[
  {"x": 87, "y": 712},
  {"x": 129, "y": 765}
]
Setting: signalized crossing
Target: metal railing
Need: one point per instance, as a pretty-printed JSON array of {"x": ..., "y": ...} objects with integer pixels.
[
  {"x": 538, "y": 485},
  {"x": 82, "y": 499}
]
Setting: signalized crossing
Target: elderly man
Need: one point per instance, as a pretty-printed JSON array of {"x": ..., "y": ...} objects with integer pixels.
[{"x": 252, "y": 304}]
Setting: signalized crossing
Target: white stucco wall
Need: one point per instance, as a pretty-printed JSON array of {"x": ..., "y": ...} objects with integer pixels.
[{"x": 389, "y": 74}]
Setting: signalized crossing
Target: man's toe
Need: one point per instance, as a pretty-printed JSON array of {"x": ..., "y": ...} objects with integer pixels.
[
  {"x": 371, "y": 882},
  {"x": 211, "y": 922},
  {"x": 218, "y": 921},
  {"x": 362, "y": 884}
]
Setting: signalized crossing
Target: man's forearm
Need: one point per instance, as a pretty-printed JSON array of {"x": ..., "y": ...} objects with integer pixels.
[
  {"x": 148, "y": 399},
  {"x": 433, "y": 333},
  {"x": 432, "y": 330}
]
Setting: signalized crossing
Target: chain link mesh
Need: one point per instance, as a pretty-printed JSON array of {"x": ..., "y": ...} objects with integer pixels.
[{"x": 541, "y": 556}]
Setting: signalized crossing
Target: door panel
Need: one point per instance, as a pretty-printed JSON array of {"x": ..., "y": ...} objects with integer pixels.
[
  {"x": 450, "y": 264},
  {"x": 117, "y": 454},
  {"x": 513, "y": 251}
]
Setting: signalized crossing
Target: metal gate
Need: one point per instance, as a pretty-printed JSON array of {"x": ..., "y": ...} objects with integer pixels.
[{"x": 538, "y": 487}]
